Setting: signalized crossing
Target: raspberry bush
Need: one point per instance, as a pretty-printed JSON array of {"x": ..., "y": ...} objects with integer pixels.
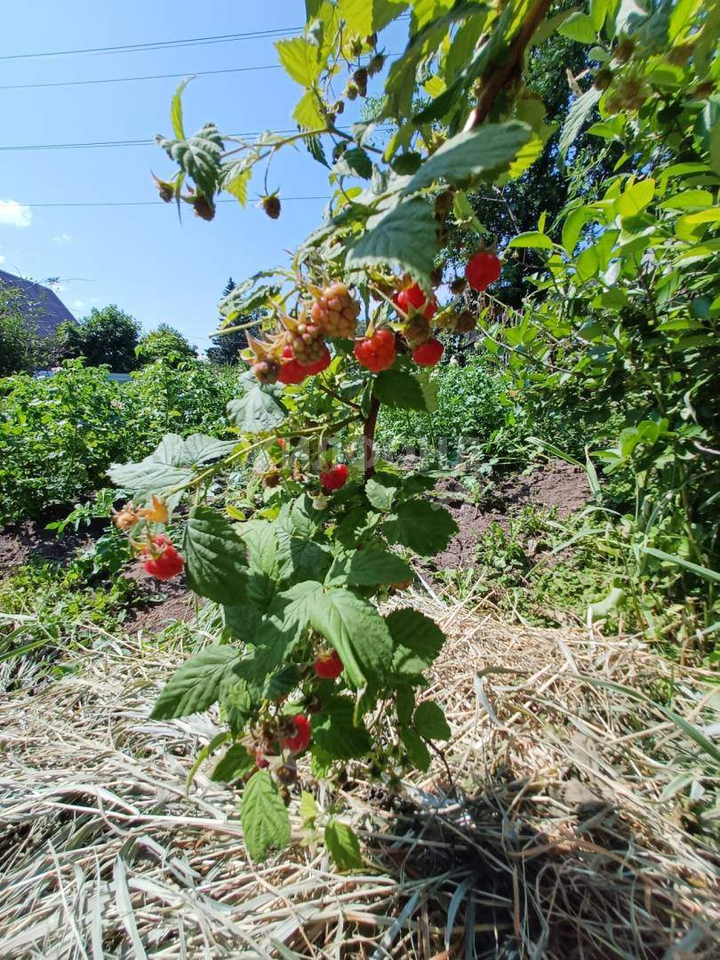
[{"x": 310, "y": 676}]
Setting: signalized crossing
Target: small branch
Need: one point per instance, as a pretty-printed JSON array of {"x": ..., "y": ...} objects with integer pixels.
[
  {"x": 336, "y": 396},
  {"x": 369, "y": 438},
  {"x": 500, "y": 75}
]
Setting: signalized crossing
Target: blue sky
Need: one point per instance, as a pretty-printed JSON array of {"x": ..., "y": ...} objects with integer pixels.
[{"x": 140, "y": 257}]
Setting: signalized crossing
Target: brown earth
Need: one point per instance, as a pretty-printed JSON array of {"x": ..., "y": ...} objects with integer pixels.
[{"x": 556, "y": 485}]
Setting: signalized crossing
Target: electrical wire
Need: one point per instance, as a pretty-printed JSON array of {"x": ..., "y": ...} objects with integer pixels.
[
  {"x": 137, "y": 203},
  {"x": 158, "y": 44},
  {"x": 93, "y": 145},
  {"x": 154, "y": 76}
]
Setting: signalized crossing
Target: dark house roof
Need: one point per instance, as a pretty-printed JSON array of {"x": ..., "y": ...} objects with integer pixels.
[{"x": 40, "y": 306}]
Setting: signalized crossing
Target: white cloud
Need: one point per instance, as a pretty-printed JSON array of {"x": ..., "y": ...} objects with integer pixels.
[
  {"x": 2, "y": 259},
  {"x": 78, "y": 304},
  {"x": 14, "y": 214},
  {"x": 62, "y": 238}
]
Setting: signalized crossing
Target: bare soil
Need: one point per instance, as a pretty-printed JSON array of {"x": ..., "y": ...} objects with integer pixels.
[
  {"x": 21, "y": 542},
  {"x": 556, "y": 485}
]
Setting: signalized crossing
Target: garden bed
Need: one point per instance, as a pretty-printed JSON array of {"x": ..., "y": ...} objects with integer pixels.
[{"x": 553, "y": 826}]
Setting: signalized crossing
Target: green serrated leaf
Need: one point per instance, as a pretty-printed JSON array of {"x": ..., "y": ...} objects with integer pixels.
[
  {"x": 170, "y": 465},
  {"x": 429, "y": 721},
  {"x": 416, "y": 748},
  {"x": 404, "y": 238},
  {"x": 356, "y": 630},
  {"x": 381, "y": 493},
  {"x": 421, "y": 526},
  {"x": 260, "y": 410},
  {"x": 471, "y": 153},
  {"x": 417, "y": 640},
  {"x": 235, "y": 180},
  {"x": 264, "y": 816},
  {"x": 580, "y": 27},
  {"x": 233, "y": 765},
  {"x": 577, "y": 115},
  {"x": 176, "y": 114},
  {"x": 403, "y": 390},
  {"x": 199, "y": 157},
  {"x": 405, "y": 704},
  {"x": 343, "y": 845},
  {"x": 368, "y": 567},
  {"x": 195, "y": 686},
  {"x": 300, "y": 58},
  {"x": 215, "y": 557},
  {"x": 336, "y": 732},
  {"x": 307, "y": 807},
  {"x": 354, "y": 163},
  {"x": 364, "y": 17}
]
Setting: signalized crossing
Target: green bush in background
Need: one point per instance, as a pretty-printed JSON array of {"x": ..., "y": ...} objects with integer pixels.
[{"x": 59, "y": 434}]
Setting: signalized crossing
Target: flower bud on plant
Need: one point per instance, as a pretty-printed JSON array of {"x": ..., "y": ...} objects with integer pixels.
[
  {"x": 376, "y": 64},
  {"x": 360, "y": 79}
]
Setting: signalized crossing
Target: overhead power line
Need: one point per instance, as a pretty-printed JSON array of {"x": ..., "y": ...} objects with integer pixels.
[
  {"x": 154, "y": 76},
  {"x": 137, "y": 203},
  {"x": 145, "y": 142},
  {"x": 158, "y": 44}
]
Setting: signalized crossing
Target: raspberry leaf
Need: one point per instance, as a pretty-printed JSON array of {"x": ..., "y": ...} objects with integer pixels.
[
  {"x": 357, "y": 631},
  {"x": 235, "y": 764},
  {"x": 417, "y": 751},
  {"x": 259, "y": 410},
  {"x": 195, "y": 686},
  {"x": 417, "y": 640},
  {"x": 215, "y": 557},
  {"x": 335, "y": 731},
  {"x": 471, "y": 153},
  {"x": 424, "y": 527},
  {"x": 429, "y": 721},
  {"x": 368, "y": 567},
  {"x": 343, "y": 845},
  {"x": 299, "y": 57},
  {"x": 405, "y": 238},
  {"x": 199, "y": 157},
  {"x": 264, "y": 816},
  {"x": 406, "y": 391},
  {"x": 380, "y": 491}
]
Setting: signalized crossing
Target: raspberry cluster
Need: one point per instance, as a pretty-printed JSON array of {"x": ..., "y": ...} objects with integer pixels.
[
  {"x": 307, "y": 343},
  {"x": 335, "y": 311},
  {"x": 376, "y": 353}
]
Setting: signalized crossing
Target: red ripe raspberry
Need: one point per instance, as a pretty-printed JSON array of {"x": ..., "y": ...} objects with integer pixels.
[
  {"x": 334, "y": 478},
  {"x": 322, "y": 364},
  {"x": 378, "y": 352},
  {"x": 328, "y": 666},
  {"x": 415, "y": 297},
  {"x": 482, "y": 270},
  {"x": 428, "y": 354},
  {"x": 291, "y": 371},
  {"x": 300, "y": 739},
  {"x": 164, "y": 561},
  {"x": 336, "y": 311}
]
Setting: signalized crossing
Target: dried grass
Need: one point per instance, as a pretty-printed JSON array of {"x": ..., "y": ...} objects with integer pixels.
[{"x": 543, "y": 831}]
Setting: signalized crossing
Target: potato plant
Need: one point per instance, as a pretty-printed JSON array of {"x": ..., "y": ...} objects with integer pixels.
[{"x": 307, "y": 664}]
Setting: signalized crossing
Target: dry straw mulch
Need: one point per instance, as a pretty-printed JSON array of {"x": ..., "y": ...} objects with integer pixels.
[{"x": 566, "y": 819}]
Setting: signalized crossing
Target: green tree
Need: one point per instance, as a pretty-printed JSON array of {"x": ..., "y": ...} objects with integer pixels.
[
  {"x": 165, "y": 343},
  {"x": 17, "y": 339},
  {"x": 226, "y": 348},
  {"x": 108, "y": 336}
]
